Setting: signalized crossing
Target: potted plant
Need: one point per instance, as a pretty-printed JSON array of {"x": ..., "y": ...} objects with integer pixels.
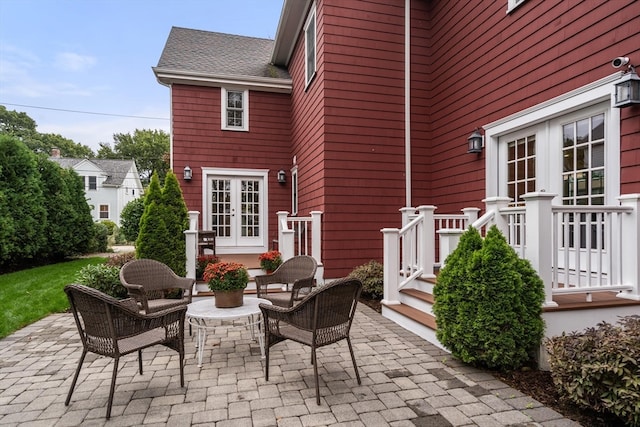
[
  {"x": 270, "y": 260},
  {"x": 227, "y": 280},
  {"x": 201, "y": 263}
]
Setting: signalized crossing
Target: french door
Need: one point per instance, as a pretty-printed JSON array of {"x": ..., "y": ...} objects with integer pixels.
[{"x": 236, "y": 210}]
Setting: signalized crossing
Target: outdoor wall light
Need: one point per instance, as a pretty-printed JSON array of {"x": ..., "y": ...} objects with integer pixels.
[
  {"x": 282, "y": 176},
  {"x": 475, "y": 142},
  {"x": 188, "y": 174},
  {"x": 627, "y": 88}
]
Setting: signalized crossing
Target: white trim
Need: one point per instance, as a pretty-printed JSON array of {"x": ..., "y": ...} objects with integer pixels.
[
  {"x": 407, "y": 102},
  {"x": 245, "y": 109},
  {"x": 295, "y": 190},
  {"x": 265, "y": 84},
  {"x": 594, "y": 93},
  {"x": 514, "y": 4},
  {"x": 311, "y": 17}
]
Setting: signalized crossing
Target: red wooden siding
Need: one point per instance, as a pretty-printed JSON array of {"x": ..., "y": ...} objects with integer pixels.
[
  {"x": 199, "y": 142},
  {"x": 487, "y": 65}
]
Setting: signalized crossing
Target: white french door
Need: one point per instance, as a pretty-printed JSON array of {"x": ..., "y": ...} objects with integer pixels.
[{"x": 236, "y": 210}]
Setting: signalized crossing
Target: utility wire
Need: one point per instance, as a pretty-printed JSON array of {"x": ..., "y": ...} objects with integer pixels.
[{"x": 84, "y": 112}]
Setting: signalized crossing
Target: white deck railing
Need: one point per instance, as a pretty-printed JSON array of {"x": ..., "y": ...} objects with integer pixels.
[
  {"x": 299, "y": 235},
  {"x": 575, "y": 249}
]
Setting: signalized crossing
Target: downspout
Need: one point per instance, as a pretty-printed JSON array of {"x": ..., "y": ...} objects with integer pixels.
[{"x": 407, "y": 101}]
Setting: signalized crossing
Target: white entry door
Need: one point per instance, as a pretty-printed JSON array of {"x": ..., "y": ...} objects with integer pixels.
[{"x": 236, "y": 210}]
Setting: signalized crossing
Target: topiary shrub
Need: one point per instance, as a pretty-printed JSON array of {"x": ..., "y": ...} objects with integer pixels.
[
  {"x": 371, "y": 275},
  {"x": 489, "y": 303},
  {"x": 100, "y": 240},
  {"x": 103, "y": 277},
  {"x": 130, "y": 219},
  {"x": 600, "y": 368}
]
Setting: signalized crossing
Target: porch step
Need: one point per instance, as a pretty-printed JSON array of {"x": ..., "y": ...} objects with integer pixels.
[
  {"x": 420, "y": 295},
  {"x": 414, "y": 314}
]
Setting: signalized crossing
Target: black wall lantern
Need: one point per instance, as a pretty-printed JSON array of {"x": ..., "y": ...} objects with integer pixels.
[
  {"x": 187, "y": 173},
  {"x": 628, "y": 89},
  {"x": 475, "y": 142},
  {"x": 282, "y": 176}
]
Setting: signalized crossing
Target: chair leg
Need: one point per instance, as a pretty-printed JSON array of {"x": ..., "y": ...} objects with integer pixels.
[
  {"x": 353, "y": 359},
  {"x": 113, "y": 385},
  {"x": 75, "y": 377},
  {"x": 266, "y": 361},
  {"x": 181, "y": 352},
  {"x": 140, "y": 361},
  {"x": 315, "y": 373}
]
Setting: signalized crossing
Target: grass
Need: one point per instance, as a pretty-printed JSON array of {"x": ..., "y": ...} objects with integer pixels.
[{"x": 29, "y": 295}]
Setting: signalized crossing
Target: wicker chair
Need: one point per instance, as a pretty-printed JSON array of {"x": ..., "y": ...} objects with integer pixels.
[
  {"x": 149, "y": 281},
  {"x": 114, "y": 328},
  {"x": 298, "y": 271},
  {"x": 323, "y": 317}
]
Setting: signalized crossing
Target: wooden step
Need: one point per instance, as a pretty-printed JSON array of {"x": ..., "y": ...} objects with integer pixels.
[
  {"x": 414, "y": 314},
  {"x": 418, "y": 294}
]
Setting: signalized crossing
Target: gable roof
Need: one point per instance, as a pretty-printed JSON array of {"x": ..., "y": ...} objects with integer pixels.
[
  {"x": 214, "y": 59},
  {"x": 115, "y": 170}
]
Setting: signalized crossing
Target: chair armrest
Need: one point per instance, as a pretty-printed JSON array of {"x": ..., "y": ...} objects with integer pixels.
[
  {"x": 301, "y": 288},
  {"x": 130, "y": 304},
  {"x": 138, "y": 293},
  {"x": 130, "y": 323}
]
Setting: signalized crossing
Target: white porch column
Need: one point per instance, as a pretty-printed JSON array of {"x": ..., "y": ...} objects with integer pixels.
[
  {"x": 285, "y": 236},
  {"x": 495, "y": 204},
  {"x": 391, "y": 262},
  {"x": 630, "y": 253},
  {"x": 406, "y": 213},
  {"x": 191, "y": 242},
  {"x": 316, "y": 236},
  {"x": 427, "y": 241},
  {"x": 449, "y": 238},
  {"x": 539, "y": 244},
  {"x": 471, "y": 214}
]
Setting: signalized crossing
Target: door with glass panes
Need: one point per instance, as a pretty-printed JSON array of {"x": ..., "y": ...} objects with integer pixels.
[{"x": 236, "y": 211}]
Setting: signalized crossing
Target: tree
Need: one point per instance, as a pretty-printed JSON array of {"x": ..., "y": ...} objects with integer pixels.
[
  {"x": 130, "y": 219},
  {"x": 177, "y": 221},
  {"x": 23, "y": 127},
  {"x": 149, "y": 149},
  {"x": 21, "y": 185}
]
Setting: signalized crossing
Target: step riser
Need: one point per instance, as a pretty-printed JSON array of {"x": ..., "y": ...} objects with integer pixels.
[
  {"x": 416, "y": 303},
  {"x": 417, "y": 328}
]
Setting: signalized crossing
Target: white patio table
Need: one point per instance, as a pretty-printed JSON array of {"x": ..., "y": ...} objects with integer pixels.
[{"x": 199, "y": 312}]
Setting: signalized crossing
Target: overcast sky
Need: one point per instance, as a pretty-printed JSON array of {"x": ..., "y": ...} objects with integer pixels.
[{"x": 95, "y": 56}]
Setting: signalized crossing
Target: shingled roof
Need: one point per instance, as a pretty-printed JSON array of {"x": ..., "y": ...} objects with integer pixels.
[
  {"x": 115, "y": 170},
  {"x": 217, "y": 54}
]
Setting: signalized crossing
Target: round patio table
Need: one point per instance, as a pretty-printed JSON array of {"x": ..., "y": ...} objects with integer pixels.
[{"x": 199, "y": 312}]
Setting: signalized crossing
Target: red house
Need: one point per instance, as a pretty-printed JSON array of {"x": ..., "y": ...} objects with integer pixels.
[{"x": 358, "y": 109}]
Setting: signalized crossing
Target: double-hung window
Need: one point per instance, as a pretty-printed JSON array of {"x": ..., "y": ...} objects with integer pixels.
[
  {"x": 92, "y": 182},
  {"x": 310, "y": 45},
  {"x": 235, "y": 109}
]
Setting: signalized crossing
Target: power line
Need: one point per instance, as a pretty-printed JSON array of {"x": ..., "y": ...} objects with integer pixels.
[{"x": 85, "y": 112}]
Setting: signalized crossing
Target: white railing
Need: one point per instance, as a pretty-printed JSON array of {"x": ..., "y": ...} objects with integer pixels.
[
  {"x": 553, "y": 238},
  {"x": 300, "y": 235}
]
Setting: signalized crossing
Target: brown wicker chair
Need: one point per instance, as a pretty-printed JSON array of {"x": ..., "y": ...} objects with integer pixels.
[
  {"x": 298, "y": 271},
  {"x": 149, "y": 282},
  {"x": 323, "y": 317},
  {"x": 114, "y": 328}
]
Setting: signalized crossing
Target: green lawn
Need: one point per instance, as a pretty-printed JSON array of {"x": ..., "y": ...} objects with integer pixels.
[{"x": 29, "y": 295}]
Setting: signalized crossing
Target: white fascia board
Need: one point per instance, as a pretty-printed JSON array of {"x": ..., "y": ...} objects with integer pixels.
[
  {"x": 265, "y": 84},
  {"x": 292, "y": 18}
]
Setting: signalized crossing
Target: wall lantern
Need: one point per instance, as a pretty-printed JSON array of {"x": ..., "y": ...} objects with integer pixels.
[
  {"x": 475, "y": 142},
  {"x": 627, "y": 89},
  {"x": 188, "y": 174},
  {"x": 282, "y": 176}
]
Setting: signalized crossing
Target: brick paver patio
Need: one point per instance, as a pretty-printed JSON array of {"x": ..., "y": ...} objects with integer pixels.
[{"x": 406, "y": 381}]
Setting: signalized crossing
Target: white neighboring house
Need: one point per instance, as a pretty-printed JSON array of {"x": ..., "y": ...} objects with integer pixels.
[{"x": 108, "y": 184}]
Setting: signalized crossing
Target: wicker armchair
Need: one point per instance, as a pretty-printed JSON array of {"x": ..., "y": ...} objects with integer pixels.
[
  {"x": 114, "y": 328},
  {"x": 298, "y": 271},
  {"x": 323, "y": 317},
  {"x": 149, "y": 281}
]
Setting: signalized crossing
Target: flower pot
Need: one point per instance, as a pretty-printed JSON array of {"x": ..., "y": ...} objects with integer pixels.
[{"x": 229, "y": 299}]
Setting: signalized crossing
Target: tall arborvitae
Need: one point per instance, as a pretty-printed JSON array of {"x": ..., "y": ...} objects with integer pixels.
[{"x": 176, "y": 221}]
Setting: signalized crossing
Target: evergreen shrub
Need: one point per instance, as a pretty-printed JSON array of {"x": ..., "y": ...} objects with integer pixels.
[
  {"x": 103, "y": 277},
  {"x": 489, "y": 303},
  {"x": 600, "y": 368}
]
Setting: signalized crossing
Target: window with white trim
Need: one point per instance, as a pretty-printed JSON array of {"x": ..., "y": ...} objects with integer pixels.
[
  {"x": 310, "y": 45},
  {"x": 93, "y": 182},
  {"x": 521, "y": 168},
  {"x": 104, "y": 211},
  {"x": 235, "y": 109}
]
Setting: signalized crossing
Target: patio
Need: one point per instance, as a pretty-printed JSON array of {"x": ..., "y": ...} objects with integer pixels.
[{"x": 406, "y": 381}]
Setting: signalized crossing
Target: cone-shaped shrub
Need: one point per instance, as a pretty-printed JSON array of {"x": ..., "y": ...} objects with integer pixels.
[
  {"x": 489, "y": 309},
  {"x": 176, "y": 221}
]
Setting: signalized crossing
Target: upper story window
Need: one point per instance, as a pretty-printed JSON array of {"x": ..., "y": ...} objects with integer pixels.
[
  {"x": 235, "y": 109},
  {"x": 294, "y": 191},
  {"x": 310, "y": 45},
  {"x": 92, "y": 182},
  {"x": 104, "y": 211}
]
